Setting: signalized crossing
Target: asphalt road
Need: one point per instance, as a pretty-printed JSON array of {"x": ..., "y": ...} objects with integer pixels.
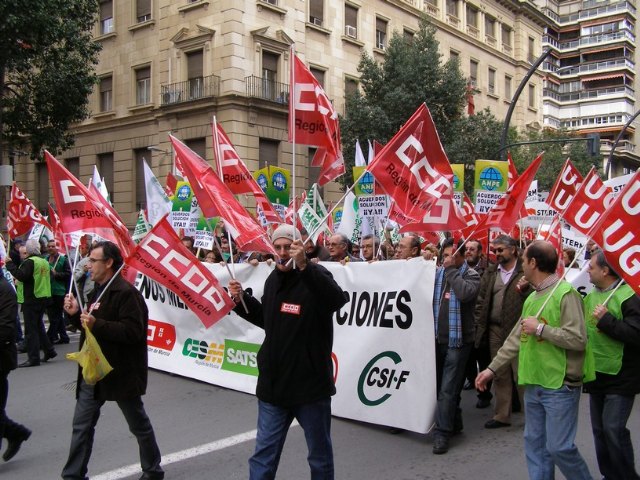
[{"x": 206, "y": 432}]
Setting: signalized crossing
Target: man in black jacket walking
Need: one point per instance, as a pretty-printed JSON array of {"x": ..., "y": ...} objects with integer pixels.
[{"x": 296, "y": 371}]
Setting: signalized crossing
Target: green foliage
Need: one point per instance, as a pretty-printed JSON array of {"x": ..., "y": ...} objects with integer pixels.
[
  {"x": 555, "y": 154},
  {"x": 47, "y": 58},
  {"x": 411, "y": 74}
]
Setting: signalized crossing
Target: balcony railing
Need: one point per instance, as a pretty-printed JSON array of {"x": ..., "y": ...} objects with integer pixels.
[
  {"x": 594, "y": 12},
  {"x": 607, "y": 37},
  {"x": 190, "y": 90},
  {"x": 624, "y": 145},
  {"x": 259, "y": 87},
  {"x": 590, "y": 67},
  {"x": 586, "y": 94}
]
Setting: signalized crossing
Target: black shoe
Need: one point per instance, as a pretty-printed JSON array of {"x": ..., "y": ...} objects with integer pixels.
[
  {"x": 483, "y": 403},
  {"x": 29, "y": 363},
  {"x": 395, "y": 430},
  {"x": 49, "y": 355},
  {"x": 152, "y": 476},
  {"x": 61, "y": 341},
  {"x": 496, "y": 424},
  {"x": 440, "y": 445},
  {"x": 14, "y": 445}
]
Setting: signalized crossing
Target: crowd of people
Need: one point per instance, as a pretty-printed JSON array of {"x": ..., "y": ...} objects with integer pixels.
[{"x": 505, "y": 323}]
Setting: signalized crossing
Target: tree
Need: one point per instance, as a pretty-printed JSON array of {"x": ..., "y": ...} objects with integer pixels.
[
  {"x": 47, "y": 59},
  {"x": 412, "y": 73}
]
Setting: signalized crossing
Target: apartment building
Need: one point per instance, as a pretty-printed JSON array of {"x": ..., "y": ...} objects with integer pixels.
[
  {"x": 590, "y": 81},
  {"x": 169, "y": 66}
]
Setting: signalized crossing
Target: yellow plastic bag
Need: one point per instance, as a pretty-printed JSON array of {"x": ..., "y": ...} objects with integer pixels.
[{"x": 90, "y": 357}]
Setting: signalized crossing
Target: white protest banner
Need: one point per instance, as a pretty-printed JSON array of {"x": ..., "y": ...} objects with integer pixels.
[
  {"x": 539, "y": 213},
  {"x": 532, "y": 193},
  {"x": 579, "y": 279},
  {"x": 383, "y": 351},
  {"x": 485, "y": 200},
  {"x": 618, "y": 183}
]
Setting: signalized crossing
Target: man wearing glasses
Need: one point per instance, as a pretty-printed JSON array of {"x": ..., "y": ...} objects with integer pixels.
[
  {"x": 296, "y": 370},
  {"x": 339, "y": 249},
  {"x": 118, "y": 319},
  {"x": 498, "y": 309}
]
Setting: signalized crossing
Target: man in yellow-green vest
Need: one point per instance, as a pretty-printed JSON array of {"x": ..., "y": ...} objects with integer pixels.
[
  {"x": 34, "y": 273},
  {"x": 549, "y": 342},
  {"x": 612, "y": 314}
]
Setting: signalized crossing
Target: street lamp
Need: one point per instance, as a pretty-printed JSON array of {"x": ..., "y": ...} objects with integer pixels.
[{"x": 155, "y": 148}]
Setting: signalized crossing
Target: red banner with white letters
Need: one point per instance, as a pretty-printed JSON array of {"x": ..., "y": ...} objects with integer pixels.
[
  {"x": 565, "y": 187},
  {"x": 412, "y": 167},
  {"x": 22, "y": 214},
  {"x": 589, "y": 202},
  {"x": 616, "y": 232},
  {"x": 443, "y": 215},
  {"x": 162, "y": 257}
]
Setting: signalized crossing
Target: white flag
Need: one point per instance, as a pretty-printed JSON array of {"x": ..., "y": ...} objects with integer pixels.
[
  {"x": 158, "y": 204},
  {"x": 359, "y": 161}
]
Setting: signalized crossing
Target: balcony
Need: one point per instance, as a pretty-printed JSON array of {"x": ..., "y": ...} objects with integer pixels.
[
  {"x": 588, "y": 94},
  {"x": 190, "y": 90},
  {"x": 594, "y": 12},
  {"x": 590, "y": 67},
  {"x": 473, "y": 31},
  {"x": 265, "y": 89},
  {"x": 453, "y": 20},
  {"x": 623, "y": 146},
  {"x": 607, "y": 37}
]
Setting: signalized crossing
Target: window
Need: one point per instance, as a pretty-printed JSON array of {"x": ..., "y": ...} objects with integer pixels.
[
  {"x": 532, "y": 96},
  {"x": 506, "y": 35},
  {"x": 318, "y": 74},
  {"x": 105, "y": 167},
  {"x": 381, "y": 33},
  {"x": 532, "y": 49},
  {"x": 472, "y": 16},
  {"x": 143, "y": 86},
  {"x": 194, "y": 73},
  {"x": 452, "y": 8},
  {"x": 491, "y": 87},
  {"x": 270, "y": 75},
  {"x": 73, "y": 165},
  {"x": 473, "y": 72},
  {"x": 454, "y": 55},
  {"x": 106, "y": 94},
  {"x": 198, "y": 145},
  {"x": 139, "y": 155},
  {"x": 350, "y": 21},
  {"x": 143, "y": 10},
  {"x": 316, "y": 13},
  {"x": 350, "y": 87},
  {"x": 42, "y": 193},
  {"x": 106, "y": 17},
  {"x": 268, "y": 153},
  {"x": 507, "y": 87},
  {"x": 490, "y": 26},
  {"x": 408, "y": 35}
]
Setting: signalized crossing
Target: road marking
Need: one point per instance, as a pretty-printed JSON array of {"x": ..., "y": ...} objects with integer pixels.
[{"x": 134, "y": 469}]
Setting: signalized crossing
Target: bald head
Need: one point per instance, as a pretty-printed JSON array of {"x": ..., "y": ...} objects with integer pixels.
[{"x": 545, "y": 255}]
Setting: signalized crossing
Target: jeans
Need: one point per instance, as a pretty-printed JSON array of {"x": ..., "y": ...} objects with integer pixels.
[
  {"x": 86, "y": 417},
  {"x": 450, "y": 372},
  {"x": 550, "y": 432},
  {"x": 273, "y": 425},
  {"x": 609, "y": 416}
]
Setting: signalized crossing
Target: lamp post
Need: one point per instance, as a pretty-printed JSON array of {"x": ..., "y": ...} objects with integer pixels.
[{"x": 617, "y": 140}]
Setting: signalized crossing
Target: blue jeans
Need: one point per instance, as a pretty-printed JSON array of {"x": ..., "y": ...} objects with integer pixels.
[
  {"x": 550, "y": 432},
  {"x": 451, "y": 365},
  {"x": 609, "y": 415},
  {"x": 86, "y": 417},
  {"x": 273, "y": 425}
]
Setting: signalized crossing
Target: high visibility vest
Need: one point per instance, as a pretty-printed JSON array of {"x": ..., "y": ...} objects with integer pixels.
[
  {"x": 41, "y": 278},
  {"x": 607, "y": 352},
  {"x": 540, "y": 362}
]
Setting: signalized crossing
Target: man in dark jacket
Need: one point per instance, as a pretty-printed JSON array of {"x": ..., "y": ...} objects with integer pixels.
[
  {"x": 34, "y": 273},
  {"x": 60, "y": 278},
  {"x": 117, "y": 316},
  {"x": 12, "y": 431},
  {"x": 613, "y": 328},
  {"x": 498, "y": 309},
  {"x": 296, "y": 370}
]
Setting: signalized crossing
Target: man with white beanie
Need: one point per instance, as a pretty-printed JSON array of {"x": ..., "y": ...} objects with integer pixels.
[{"x": 296, "y": 370}]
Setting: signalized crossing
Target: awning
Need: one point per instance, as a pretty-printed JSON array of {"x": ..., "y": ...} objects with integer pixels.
[
  {"x": 603, "y": 77},
  {"x": 614, "y": 129},
  {"x": 603, "y": 49}
]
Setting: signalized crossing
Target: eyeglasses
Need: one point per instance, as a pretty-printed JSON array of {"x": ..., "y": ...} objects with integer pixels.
[
  {"x": 94, "y": 260},
  {"x": 498, "y": 250}
]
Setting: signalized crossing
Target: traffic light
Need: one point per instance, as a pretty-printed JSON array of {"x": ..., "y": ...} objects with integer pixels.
[{"x": 593, "y": 144}]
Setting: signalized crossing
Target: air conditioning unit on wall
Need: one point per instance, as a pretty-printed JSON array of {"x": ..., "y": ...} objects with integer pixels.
[
  {"x": 351, "y": 31},
  {"x": 315, "y": 21}
]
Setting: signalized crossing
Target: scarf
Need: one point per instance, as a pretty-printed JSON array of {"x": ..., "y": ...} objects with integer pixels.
[{"x": 455, "y": 316}]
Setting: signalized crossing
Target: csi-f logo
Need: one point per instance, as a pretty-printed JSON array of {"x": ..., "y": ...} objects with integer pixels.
[{"x": 380, "y": 378}]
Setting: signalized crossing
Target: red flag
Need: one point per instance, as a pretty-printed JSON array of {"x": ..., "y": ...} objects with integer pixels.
[
  {"x": 74, "y": 202},
  {"x": 588, "y": 203},
  {"x": 313, "y": 121},
  {"x": 58, "y": 235},
  {"x": 554, "y": 236},
  {"x": 171, "y": 185},
  {"x": 565, "y": 187},
  {"x": 236, "y": 176},
  {"x": 504, "y": 214},
  {"x": 216, "y": 200},
  {"x": 119, "y": 233},
  {"x": 513, "y": 172},
  {"x": 162, "y": 257},
  {"x": 616, "y": 231},
  {"x": 412, "y": 167},
  {"x": 444, "y": 215},
  {"x": 22, "y": 214}
]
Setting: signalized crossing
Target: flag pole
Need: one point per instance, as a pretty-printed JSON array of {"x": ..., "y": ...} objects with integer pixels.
[
  {"x": 292, "y": 122},
  {"x": 384, "y": 227},
  {"x": 620, "y": 283}
]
